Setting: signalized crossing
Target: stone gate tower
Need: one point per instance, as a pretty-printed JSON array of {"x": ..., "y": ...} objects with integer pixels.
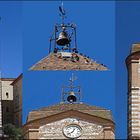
[{"x": 133, "y": 66}]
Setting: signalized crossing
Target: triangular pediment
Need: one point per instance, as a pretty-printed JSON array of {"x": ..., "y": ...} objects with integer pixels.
[
  {"x": 57, "y": 129},
  {"x": 69, "y": 114}
]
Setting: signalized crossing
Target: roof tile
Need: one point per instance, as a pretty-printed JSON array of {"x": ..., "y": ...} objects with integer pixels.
[{"x": 55, "y": 61}]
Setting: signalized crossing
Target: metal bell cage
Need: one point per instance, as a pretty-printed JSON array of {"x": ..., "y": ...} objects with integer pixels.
[{"x": 62, "y": 36}]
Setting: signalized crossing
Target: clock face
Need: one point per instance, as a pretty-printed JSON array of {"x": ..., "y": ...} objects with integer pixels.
[{"x": 72, "y": 131}]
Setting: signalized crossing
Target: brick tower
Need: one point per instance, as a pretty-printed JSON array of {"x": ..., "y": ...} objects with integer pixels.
[{"x": 133, "y": 67}]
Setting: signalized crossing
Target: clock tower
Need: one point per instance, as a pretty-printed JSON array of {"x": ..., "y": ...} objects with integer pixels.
[{"x": 70, "y": 119}]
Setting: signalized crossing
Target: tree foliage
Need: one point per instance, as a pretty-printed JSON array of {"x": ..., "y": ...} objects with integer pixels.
[{"x": 12, "y": 132}]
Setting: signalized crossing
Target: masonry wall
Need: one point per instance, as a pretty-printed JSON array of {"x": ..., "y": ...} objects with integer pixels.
[
  {"x": 54, "y": 130},
  {"x": 104, "y": 135},
  {"x": 134, "y": 98},
  {"x": 7, "y": 90},
  {"x": 17, "y": 89},
  {"x": 7, "y": 112},
  {"x": 7, "y": 101}
]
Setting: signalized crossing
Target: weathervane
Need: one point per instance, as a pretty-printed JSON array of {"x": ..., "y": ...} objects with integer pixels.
[
  {"x": 72, "y": 79},
  {"x": 62, "y": 12},
  {"x": 63, "y": 35},
  {"x": 71, "y": 93}
]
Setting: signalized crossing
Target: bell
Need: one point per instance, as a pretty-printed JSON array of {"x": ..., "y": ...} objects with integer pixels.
[
  {"x": 71, "y": 98},
  {"x": 63, "y": 39}
]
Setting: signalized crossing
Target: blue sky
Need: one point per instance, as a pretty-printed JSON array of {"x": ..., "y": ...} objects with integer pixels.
[
  {"x": 102, "y": 34},
  {"x": 127, "y": 33},
  {"x": 10, "y": 38},
  {"x": 95, "y": 38}
]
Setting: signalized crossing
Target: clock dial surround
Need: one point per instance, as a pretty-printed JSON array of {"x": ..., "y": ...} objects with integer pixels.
[{"x": 72, "y": 131}]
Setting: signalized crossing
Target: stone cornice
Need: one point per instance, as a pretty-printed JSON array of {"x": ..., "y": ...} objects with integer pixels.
[{"x": 71, "y": 113}]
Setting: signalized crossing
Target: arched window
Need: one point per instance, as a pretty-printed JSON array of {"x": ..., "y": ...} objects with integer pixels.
[{"x": 7, "y": 94}]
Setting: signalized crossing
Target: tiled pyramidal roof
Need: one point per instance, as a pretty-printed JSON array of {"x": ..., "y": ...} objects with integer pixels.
[{"x": 67, "y": 61}]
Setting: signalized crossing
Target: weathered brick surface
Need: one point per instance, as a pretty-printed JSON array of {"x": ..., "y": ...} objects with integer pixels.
[
  {"x": 133, "y": 66},
  {"x": 17, "y": 87},
  {"x": 135, "y": 47},
  {"x": 55, "y": 61},
  {"x": 54, "y": 130},
  {"x": 55, "y": 109},
  {"x": 94, "y": 126}
]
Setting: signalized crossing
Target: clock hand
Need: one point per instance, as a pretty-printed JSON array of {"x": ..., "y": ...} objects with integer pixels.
[{"x": 73, "y": 130}]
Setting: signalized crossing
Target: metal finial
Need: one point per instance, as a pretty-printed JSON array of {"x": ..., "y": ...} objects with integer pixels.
[
  {"x": 72, "y": 79},
  {"x": 62, "y": 12},
  {"x": 71, "y": 93},
  {"x": 63, "y": 35}
]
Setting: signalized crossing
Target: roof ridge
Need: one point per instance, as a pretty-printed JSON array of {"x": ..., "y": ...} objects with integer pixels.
[
  {"x": 76, "y": 104},
  {"x": 105, "y": 116}
]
